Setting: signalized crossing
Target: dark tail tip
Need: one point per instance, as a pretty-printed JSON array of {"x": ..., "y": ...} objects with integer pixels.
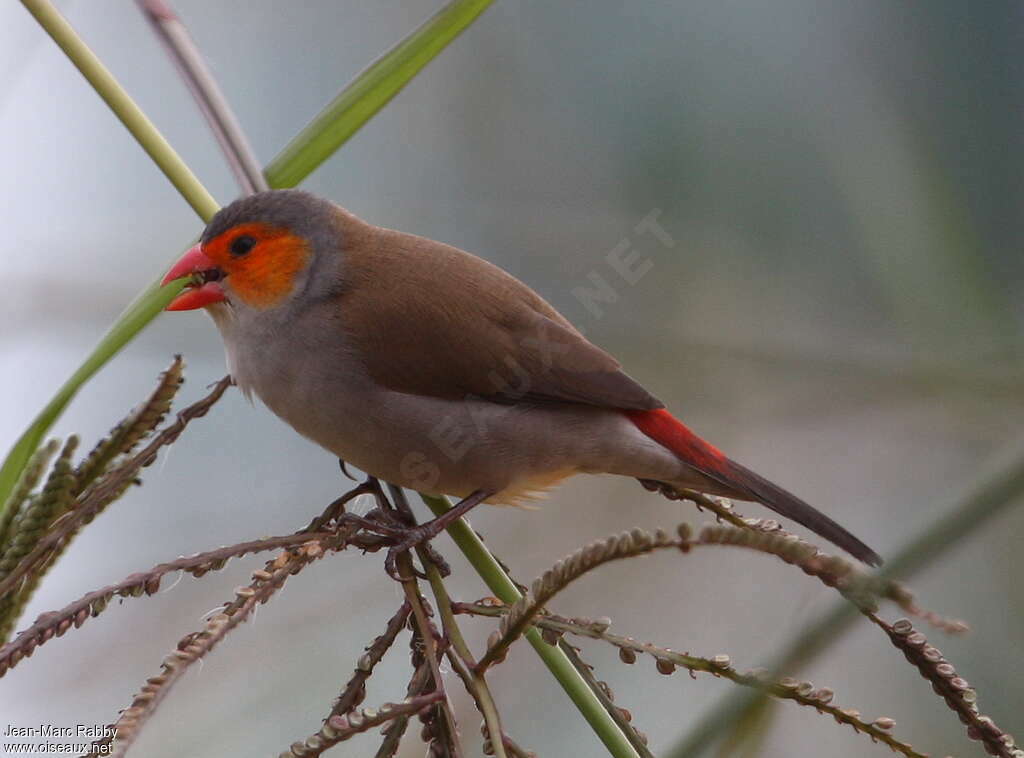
[{"x": 790, "y": 506}]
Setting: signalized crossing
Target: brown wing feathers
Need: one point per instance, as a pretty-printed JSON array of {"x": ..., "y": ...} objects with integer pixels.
[{"x": 433, "y": 320}]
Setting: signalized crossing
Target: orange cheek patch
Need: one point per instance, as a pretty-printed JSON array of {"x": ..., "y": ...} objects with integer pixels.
[{"x": 266, "y": 275}]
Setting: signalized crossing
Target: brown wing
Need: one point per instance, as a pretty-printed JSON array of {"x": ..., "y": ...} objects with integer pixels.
[{"x": 429, "y": 319}]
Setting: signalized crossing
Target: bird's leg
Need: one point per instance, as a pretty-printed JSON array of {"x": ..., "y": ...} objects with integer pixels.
[
  {"x": 402, "y": 508},
  {"x": 376, "y": 520},
  {"x": 425, "y": 532},
  {"x": 404, "y": 511},
  {"x": 337, "y": 508},
  {"x": 391, "y": 515}
]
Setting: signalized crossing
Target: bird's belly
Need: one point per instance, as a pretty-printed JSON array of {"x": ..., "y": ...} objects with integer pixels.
[
  {"x": 421, "y": 445},
  {"x": 440, "y": 445}
]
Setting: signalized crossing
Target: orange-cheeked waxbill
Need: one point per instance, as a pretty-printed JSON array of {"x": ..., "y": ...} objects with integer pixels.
[{"x": 430, "y": 368}]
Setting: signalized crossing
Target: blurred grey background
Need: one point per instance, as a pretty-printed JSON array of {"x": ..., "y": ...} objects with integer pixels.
[{"x": 840, "y": 310}]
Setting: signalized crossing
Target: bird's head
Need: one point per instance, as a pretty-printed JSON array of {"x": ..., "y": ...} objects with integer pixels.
[{"x": 259, "y": 253}]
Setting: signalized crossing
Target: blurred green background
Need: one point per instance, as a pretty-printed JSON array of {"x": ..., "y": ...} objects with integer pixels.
[{"x": 840, "y": 309}]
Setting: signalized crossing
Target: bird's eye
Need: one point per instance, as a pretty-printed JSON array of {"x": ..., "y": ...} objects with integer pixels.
[{"x": 242, "y": 245}]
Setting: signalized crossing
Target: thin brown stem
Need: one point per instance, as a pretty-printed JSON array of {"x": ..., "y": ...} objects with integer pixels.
[
  {"x": 430, "y": 651},
  {"x": 949, "y": 685},
  {"x": 193, "y": 647},
  {"x": 340, "y": 728},
  {"x": 394, "y": 731},
  {"x": 666, "y": 660},
  {"x": 355, "y": 690},
  {"x": 56, "y": 623},
  {"x": 207, "y": 94}
]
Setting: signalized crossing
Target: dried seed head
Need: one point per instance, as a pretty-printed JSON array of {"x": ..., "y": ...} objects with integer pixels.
[
  {"x": 884, "y": 722},
  {"x": 626, "y": 655},
  {"x": 824, "y": 695},
  {"x": 328, "y": 731},
  {"x": 313, "y": 549},
  {"x": 903, "y": 626},
  {"x": 664, "y": 666},
  {"x": 550, "y": 636},
  {"x": 721, "y": 661},
  {"x": 917, "y": 639},
  {"x": 281, "y": 560},
  {"x": 601, "y": 624},
  {"x": 313, "y": 742}
]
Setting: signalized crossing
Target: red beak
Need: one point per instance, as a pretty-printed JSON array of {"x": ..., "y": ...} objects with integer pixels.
[{"x": 200, "y": 292}]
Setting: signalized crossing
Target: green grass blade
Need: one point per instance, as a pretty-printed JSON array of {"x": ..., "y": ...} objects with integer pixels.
[
  {"x": 143, "y": 309},
  {"x": 107, "y": 87},
  {"x": 370, "y": 92},
  {"x": 151, "y": 301},
  {"x": 557, "y": 662},
  {"x": 356, "y": 104}
]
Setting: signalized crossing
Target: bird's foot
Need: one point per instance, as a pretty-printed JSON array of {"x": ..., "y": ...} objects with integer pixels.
[
  {"x": 423, "y": 533},
  {"x": 667, "y": 490},
  {"x": 336, "y": 510}
]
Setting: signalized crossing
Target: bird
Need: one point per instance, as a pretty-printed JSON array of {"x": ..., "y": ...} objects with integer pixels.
[{"x": 432, "y": 369}]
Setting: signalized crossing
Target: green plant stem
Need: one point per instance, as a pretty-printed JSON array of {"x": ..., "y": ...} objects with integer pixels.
[
  {"x": 560, "y": 666},
  {"x": 152, "y": 300},
  {"x": 988, "y": 499},
  {"x": 371, "y": 91},
  {"x": 356, "y": 104},
  {"x": 613, "y": 711},
  {"x": 462, "y": 660},
  {"x": 107, "y": 87}
]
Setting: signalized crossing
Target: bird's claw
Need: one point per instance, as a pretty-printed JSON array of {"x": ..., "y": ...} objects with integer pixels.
[
  {"x": 667, "y": 490},
  {"x": 415, "y": 537}
]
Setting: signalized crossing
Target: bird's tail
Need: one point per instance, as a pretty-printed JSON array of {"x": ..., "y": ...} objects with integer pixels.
[{"x": 742, "y": 483}]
